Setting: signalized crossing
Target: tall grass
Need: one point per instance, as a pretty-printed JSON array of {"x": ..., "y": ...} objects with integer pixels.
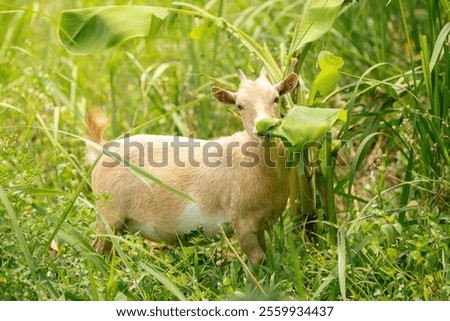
[{"x": 391, "y": 177}]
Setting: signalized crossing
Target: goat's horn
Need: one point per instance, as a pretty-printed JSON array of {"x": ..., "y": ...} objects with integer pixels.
[
  {"x": 241, "y": 75},
  {"x": 263, "y": 73}
]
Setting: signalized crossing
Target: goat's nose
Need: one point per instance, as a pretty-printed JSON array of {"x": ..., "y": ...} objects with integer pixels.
[{"x": 256, "y": 134}]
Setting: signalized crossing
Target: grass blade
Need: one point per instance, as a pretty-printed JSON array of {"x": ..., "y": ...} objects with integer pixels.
[
  {"x": 20, "y": 238},
  {"x": 164, "y": 280},
  {"x": 439, "y": 45},
  {"x": 316, "y": 20},
  {"x": 342, "y": 261}
]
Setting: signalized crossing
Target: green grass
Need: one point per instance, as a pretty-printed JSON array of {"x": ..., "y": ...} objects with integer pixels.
[{"x": 391, "y": 201}]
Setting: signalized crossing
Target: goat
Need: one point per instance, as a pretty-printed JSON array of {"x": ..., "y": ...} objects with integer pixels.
[{"x": 238, "y": 187}]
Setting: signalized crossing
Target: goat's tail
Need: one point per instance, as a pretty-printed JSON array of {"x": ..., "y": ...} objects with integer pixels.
[{"x": 96, "y": 122}]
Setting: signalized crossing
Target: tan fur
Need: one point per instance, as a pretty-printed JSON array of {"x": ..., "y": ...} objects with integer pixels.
[
  {"x": 96, "y": 123},
  {"x": 249, "y": 198}
]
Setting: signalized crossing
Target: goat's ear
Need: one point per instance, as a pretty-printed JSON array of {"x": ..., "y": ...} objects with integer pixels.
[
  {"x": 223, "y": 96},
  {"x": 286, "y": 85}
]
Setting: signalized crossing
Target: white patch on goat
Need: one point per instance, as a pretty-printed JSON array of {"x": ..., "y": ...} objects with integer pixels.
[
  {"x": 147, "y": 231},
  {"x": 193, "y": 218}
]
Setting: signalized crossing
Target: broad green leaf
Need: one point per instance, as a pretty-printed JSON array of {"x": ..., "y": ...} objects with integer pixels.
[
  {"x": 93, "y": 30},
  {"x": 328, "y": 77},
  {"x": 324, "y": 84},
  {"x": 303, "y": 126},
  {"x": 266, "y": 124},
  {"x": 317, "y": 19},
  {"x": 327, "y": 60}
]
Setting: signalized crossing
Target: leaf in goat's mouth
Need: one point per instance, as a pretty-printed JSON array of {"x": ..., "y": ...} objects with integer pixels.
[
  {"x": 302, "y": 125},
  {"x": 266, "y": 125}
]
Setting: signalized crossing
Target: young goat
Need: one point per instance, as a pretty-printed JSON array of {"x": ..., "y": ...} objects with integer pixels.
[{"x": 231, "y": 179}]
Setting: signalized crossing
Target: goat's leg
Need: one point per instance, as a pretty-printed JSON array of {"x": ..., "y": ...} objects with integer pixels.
[
  {"x": 264, "y": 225},
  {"x": 100, "y": 244},
  {"x": 247, "y": 233}
]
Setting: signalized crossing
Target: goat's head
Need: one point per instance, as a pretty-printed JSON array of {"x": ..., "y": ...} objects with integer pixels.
[{"x": 257, "y": 99}]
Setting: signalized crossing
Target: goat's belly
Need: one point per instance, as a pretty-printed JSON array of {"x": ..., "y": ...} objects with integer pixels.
[
  {"x": 193, "y": 218},
  {"x": 150, "y": 232}
]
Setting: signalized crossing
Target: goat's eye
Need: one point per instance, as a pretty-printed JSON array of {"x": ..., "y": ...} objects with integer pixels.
[
  {"x": 240, "y": 107},
  {"x": 276, "y": 100}
]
